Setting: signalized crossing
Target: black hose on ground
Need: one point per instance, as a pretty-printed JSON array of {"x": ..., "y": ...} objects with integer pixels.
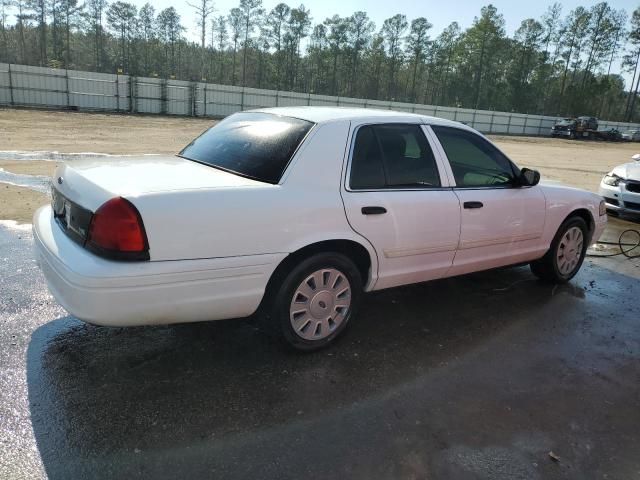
[{"x": 621, "y": 245}]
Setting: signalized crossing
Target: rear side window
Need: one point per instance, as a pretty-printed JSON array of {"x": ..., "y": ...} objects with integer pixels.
[
  {"x": 367, "y": 171},
  {"x": 474, "y": 161},
  {"x": 253, "y": 145},
  {"x": 392, "y": 156}
]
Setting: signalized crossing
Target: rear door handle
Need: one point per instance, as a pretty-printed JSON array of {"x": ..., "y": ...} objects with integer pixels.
[
  {"x": 373, "y": 210},
  {"x": 473, "y": 204}
]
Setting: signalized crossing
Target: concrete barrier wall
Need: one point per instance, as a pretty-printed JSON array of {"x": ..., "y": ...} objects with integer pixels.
[{"x": 23, "y": 85}]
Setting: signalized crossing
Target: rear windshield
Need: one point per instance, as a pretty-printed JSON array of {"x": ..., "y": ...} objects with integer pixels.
[{"x": 254, "y": 145}]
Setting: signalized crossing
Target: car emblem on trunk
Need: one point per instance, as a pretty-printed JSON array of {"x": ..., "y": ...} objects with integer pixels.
[{"x": 59, "y": 180}]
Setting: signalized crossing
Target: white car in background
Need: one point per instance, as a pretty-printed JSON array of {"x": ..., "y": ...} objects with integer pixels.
[
  {"x": 296, "y": 212},
  {"x": 631, "y": 135},
  {"x": 620, "y": 188}
]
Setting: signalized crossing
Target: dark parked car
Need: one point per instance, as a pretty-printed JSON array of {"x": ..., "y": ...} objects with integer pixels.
[
  {"x": 564, "y": 128},
  {"x": 611, "y": 135}
]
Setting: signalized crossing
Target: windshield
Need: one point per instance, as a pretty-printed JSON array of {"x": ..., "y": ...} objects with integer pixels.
[
  {"x": 251, "y": 144},
  {"x": 564, "y": 122}
]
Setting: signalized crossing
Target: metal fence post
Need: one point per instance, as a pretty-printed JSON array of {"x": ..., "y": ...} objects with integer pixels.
[
  {"x": 524, "y": 127},
  {"x": 66, "y": 79},
  {"x": 540, "y": 126},
  {"x": 204, "y": 100},
  {"x": 163, "y": 96},
  {"x": 491, "y": 122},
  {"x": 509, "y": 124},
  {"x": 455, "y": 115},
  {"x": 473, "y": 119},
  {"x": 242, "y": 100},
  {"x": 10, "y": 87},
  {"x": 132, "y": 95},
  {"x": 192, "y": 99},
  {"x": 308, "y": 99},
  {"x": 117, "y": 93},
  {"x": 277, "y": 97}
]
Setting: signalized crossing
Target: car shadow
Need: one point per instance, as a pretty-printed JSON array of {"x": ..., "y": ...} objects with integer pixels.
[{"x": 99, "y": 393}]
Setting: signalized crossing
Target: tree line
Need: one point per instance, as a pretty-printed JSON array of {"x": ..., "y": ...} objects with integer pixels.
[{"x": 560, "y": 64}]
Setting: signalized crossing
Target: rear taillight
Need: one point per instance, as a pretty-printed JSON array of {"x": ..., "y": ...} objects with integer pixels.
[{"x": 116, "y": 232}]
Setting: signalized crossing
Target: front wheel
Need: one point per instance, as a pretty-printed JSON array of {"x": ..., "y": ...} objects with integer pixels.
[
  {"x": 563, "y": 260},
  {"x": 316, "y": 300}
]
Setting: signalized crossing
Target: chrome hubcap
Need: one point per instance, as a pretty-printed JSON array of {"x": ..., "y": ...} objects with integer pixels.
[
  {"x": 569, "y": 251},
  {"x": 320, "y": 304}
]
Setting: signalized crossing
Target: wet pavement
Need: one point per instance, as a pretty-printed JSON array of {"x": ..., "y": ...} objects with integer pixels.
[
  {"x": 474, "y": 377},
  {"x": 39, "y": 183}
]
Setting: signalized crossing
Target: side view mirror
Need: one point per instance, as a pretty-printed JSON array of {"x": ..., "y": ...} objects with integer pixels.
[{"x": 528, "y": 177}]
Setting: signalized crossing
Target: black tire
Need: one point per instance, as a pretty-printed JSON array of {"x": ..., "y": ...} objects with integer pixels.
[
  {"x": 546, "y": 268},
  {"x": 283, "y": 297}
]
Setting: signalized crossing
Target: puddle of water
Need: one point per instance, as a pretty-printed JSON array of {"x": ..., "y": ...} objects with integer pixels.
[
  {"x": 58, "y": 156},
  {"x": 40, "y": 183},
  {"x": 15, "y": 226}
]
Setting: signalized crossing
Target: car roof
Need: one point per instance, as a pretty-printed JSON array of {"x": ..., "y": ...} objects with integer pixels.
[{"x": 329, "y": 114}]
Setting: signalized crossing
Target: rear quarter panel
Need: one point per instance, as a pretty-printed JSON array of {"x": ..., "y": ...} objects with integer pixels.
[{"x": 304, "y": 208}]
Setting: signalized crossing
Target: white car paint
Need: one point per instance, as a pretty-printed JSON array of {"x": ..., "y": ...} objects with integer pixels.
[
  {"x": 144, "y": 293},
  {"x": 631, "y": 135},
  {"x": 216, "y": 238},
  {"x": 624, "y": 197}
]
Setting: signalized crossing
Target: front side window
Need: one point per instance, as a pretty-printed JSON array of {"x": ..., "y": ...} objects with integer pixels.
[
  {"x": 392, "y": 156},
  {"x": 474, "y": 161},
  {"x": 250, "y": 144}
]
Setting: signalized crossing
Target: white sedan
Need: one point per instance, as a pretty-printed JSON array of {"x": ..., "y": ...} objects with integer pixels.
[
  {"x": 620, "y": 188},
  {"x": 295, "y": 212}
]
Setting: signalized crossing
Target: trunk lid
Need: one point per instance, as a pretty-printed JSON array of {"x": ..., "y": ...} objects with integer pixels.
[
  {"x": 89, "y": 183},
  {"x": 80, "y": 187}
]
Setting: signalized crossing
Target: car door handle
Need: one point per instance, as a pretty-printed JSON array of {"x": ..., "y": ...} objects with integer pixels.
[
  {"x": 373, "y": 210},
  {"x": 473, "y": 204}
]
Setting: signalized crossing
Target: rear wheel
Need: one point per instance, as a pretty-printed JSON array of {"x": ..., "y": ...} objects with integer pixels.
[
  {"x": 316, "y": 300},
  {"x": 563, "y": 260}
]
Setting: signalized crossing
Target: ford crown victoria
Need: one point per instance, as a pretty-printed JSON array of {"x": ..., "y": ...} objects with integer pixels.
[{"x": 295, "y": 213}]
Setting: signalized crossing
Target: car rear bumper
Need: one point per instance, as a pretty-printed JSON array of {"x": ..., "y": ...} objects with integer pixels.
[
  {"x": 618, "y": 199},
  {"x": 112, "y": 293}
]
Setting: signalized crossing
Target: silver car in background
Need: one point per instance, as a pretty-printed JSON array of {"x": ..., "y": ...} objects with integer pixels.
[
  {"x": 631, "y": 136},
  {"x": 620, "y": 188}
]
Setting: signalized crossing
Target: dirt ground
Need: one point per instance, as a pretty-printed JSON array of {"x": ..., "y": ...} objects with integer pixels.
[
  {"x": 573, "y": 162},
  {"x": 72, "y": 132},
  {"x": 17, "y": 203},
  {"x": 96, "y": 132},
  {"x": 578, "y": 163}
]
